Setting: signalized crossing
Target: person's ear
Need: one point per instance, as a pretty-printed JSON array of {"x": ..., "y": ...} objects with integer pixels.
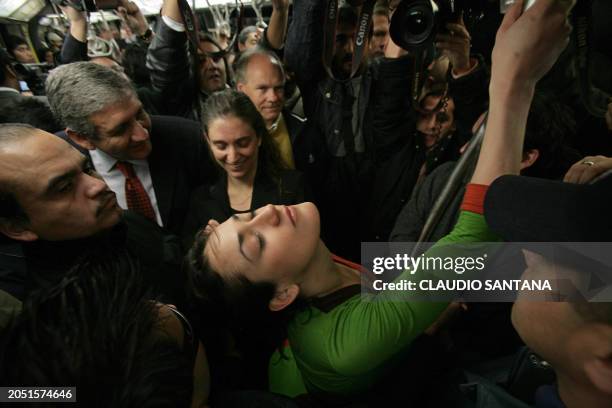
[
  {"x": 284, "y": 297},
  {"x": 529, "y": 157},
  {"x": 80, "y": 140},
  {"x": 17, "y": 230},
  {"x": 240, "y": 87},
  {"x": 598, "y": 368}
]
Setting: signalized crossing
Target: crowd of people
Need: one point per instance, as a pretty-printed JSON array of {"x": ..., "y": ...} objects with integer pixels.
[{"x": 181, "y": 217}]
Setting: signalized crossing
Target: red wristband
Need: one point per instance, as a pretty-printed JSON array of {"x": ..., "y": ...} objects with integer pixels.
[{"x": 473, "y": 200}]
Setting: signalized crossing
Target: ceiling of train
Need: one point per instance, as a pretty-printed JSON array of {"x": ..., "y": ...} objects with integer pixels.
[{"x": 24, "y": 10}]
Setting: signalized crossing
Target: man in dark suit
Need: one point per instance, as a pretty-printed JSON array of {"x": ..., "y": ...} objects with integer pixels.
[
  {"x": 260, "y": 75},
  {"x": 151, "y": 162}
]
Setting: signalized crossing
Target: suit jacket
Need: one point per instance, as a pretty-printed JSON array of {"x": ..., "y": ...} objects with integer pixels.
[
  {"x": 213, "y": 202},
  {"x": 179, "y": 162}
]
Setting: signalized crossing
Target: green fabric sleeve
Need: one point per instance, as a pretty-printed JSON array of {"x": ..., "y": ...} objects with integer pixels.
[{"x": 345, "y": 350}]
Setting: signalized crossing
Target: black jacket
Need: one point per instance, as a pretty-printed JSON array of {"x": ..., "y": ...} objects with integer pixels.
[
  {"x": 212, "y": 202},
  {"x": 330, "y": 104},
  {"x": 27, "y": 266}
]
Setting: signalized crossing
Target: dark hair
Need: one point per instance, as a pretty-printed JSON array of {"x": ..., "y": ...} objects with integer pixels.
[
  {"x": 134, "y": 61},
  {"x": 31, "y": 111},
  {"x": 550, "y": 125},
  {"x": 14, "y": 41},
  {"x": 9, "y": 207},
  {"x": 98, "y": 330},
  {"x": 238, "y": 303},
  {"x": 234, "y": 103}
]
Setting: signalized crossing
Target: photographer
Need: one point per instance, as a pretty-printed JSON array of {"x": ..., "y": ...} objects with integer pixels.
[
  {"x": 339, "y": 107},
  {"x": 454, "y": 95}
]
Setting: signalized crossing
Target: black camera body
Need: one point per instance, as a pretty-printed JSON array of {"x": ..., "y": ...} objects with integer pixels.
[
  {"x": 415, "y": 23},
  {"x": 88, "y": 5}
]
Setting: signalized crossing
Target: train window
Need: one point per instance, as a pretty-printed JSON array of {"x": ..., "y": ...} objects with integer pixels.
[{"x": 20, "y": 10}]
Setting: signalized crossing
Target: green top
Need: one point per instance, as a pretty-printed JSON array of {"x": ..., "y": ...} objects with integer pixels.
[{"x": 347, "y": 349}]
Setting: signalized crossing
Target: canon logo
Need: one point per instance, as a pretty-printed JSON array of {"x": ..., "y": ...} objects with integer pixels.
[
  {"x": 363, "y": 25},
  {"x": 333, "y": 9}
]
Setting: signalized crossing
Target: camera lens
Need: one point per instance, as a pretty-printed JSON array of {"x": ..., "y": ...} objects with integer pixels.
[
  {"x": 416, "y": 22},
  {"x": 413, "y": 23}
]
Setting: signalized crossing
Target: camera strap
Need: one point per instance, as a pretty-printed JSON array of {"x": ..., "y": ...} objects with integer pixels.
[
  {"x": 594, "y": 100},
  {"x": 191, "y": 30},
  {"x": 359, "y": 41},
  {"x": 194, "y": 45}
]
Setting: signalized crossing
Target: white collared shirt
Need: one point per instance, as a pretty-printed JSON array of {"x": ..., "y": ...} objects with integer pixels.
[{"x": 105, "y": 166}]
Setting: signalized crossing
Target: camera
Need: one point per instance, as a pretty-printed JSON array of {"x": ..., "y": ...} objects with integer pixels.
[
  {"x": 88, "y": 5},
  {"x": 415, "y": 23}
]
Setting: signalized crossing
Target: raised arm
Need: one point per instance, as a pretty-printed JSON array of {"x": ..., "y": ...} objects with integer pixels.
[
  {"x": 525, "y": 49},
  {"x": 168, "y": 61},
  {"x": 277, "y": 29},
  {"x": 304, "y": 46},
  {"x": 75, "y": 45}
]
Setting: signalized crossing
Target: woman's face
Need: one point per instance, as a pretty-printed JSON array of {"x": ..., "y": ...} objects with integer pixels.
[
  {"x": 275, "y": 244},
  {"x": 234, "y": 145}
]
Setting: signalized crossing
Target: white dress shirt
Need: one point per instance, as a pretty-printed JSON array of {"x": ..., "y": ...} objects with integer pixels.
[{"x": 105, "y": 166}]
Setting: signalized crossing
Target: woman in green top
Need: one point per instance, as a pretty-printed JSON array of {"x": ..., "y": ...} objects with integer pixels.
[{"x": 276, "y": 251}]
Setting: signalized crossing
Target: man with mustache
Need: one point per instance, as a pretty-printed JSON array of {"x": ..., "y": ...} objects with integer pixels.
[
  {"x": 54, "y": 207},
  {"x": 152, "y": 163}
]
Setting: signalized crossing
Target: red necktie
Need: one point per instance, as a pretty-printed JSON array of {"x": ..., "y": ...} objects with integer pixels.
[{"x": 137, "y": 198}]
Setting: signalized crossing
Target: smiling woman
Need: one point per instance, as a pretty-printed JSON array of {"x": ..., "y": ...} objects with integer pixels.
[{"x": 252, "y": 172}]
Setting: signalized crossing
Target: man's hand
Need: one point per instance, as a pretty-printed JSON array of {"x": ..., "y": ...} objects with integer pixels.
[
  {"x": 528, "y": 44},
  {"x": 131, "y": 14},
  {"x": 73, "y": 14},
  {"x": 456, "y": 46},
  {"x": 588, "y": 169},
  {"x": 78, "y": 22}
]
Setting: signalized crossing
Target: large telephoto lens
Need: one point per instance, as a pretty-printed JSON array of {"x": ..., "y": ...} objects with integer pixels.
[{"x": 413, "y": 23}]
